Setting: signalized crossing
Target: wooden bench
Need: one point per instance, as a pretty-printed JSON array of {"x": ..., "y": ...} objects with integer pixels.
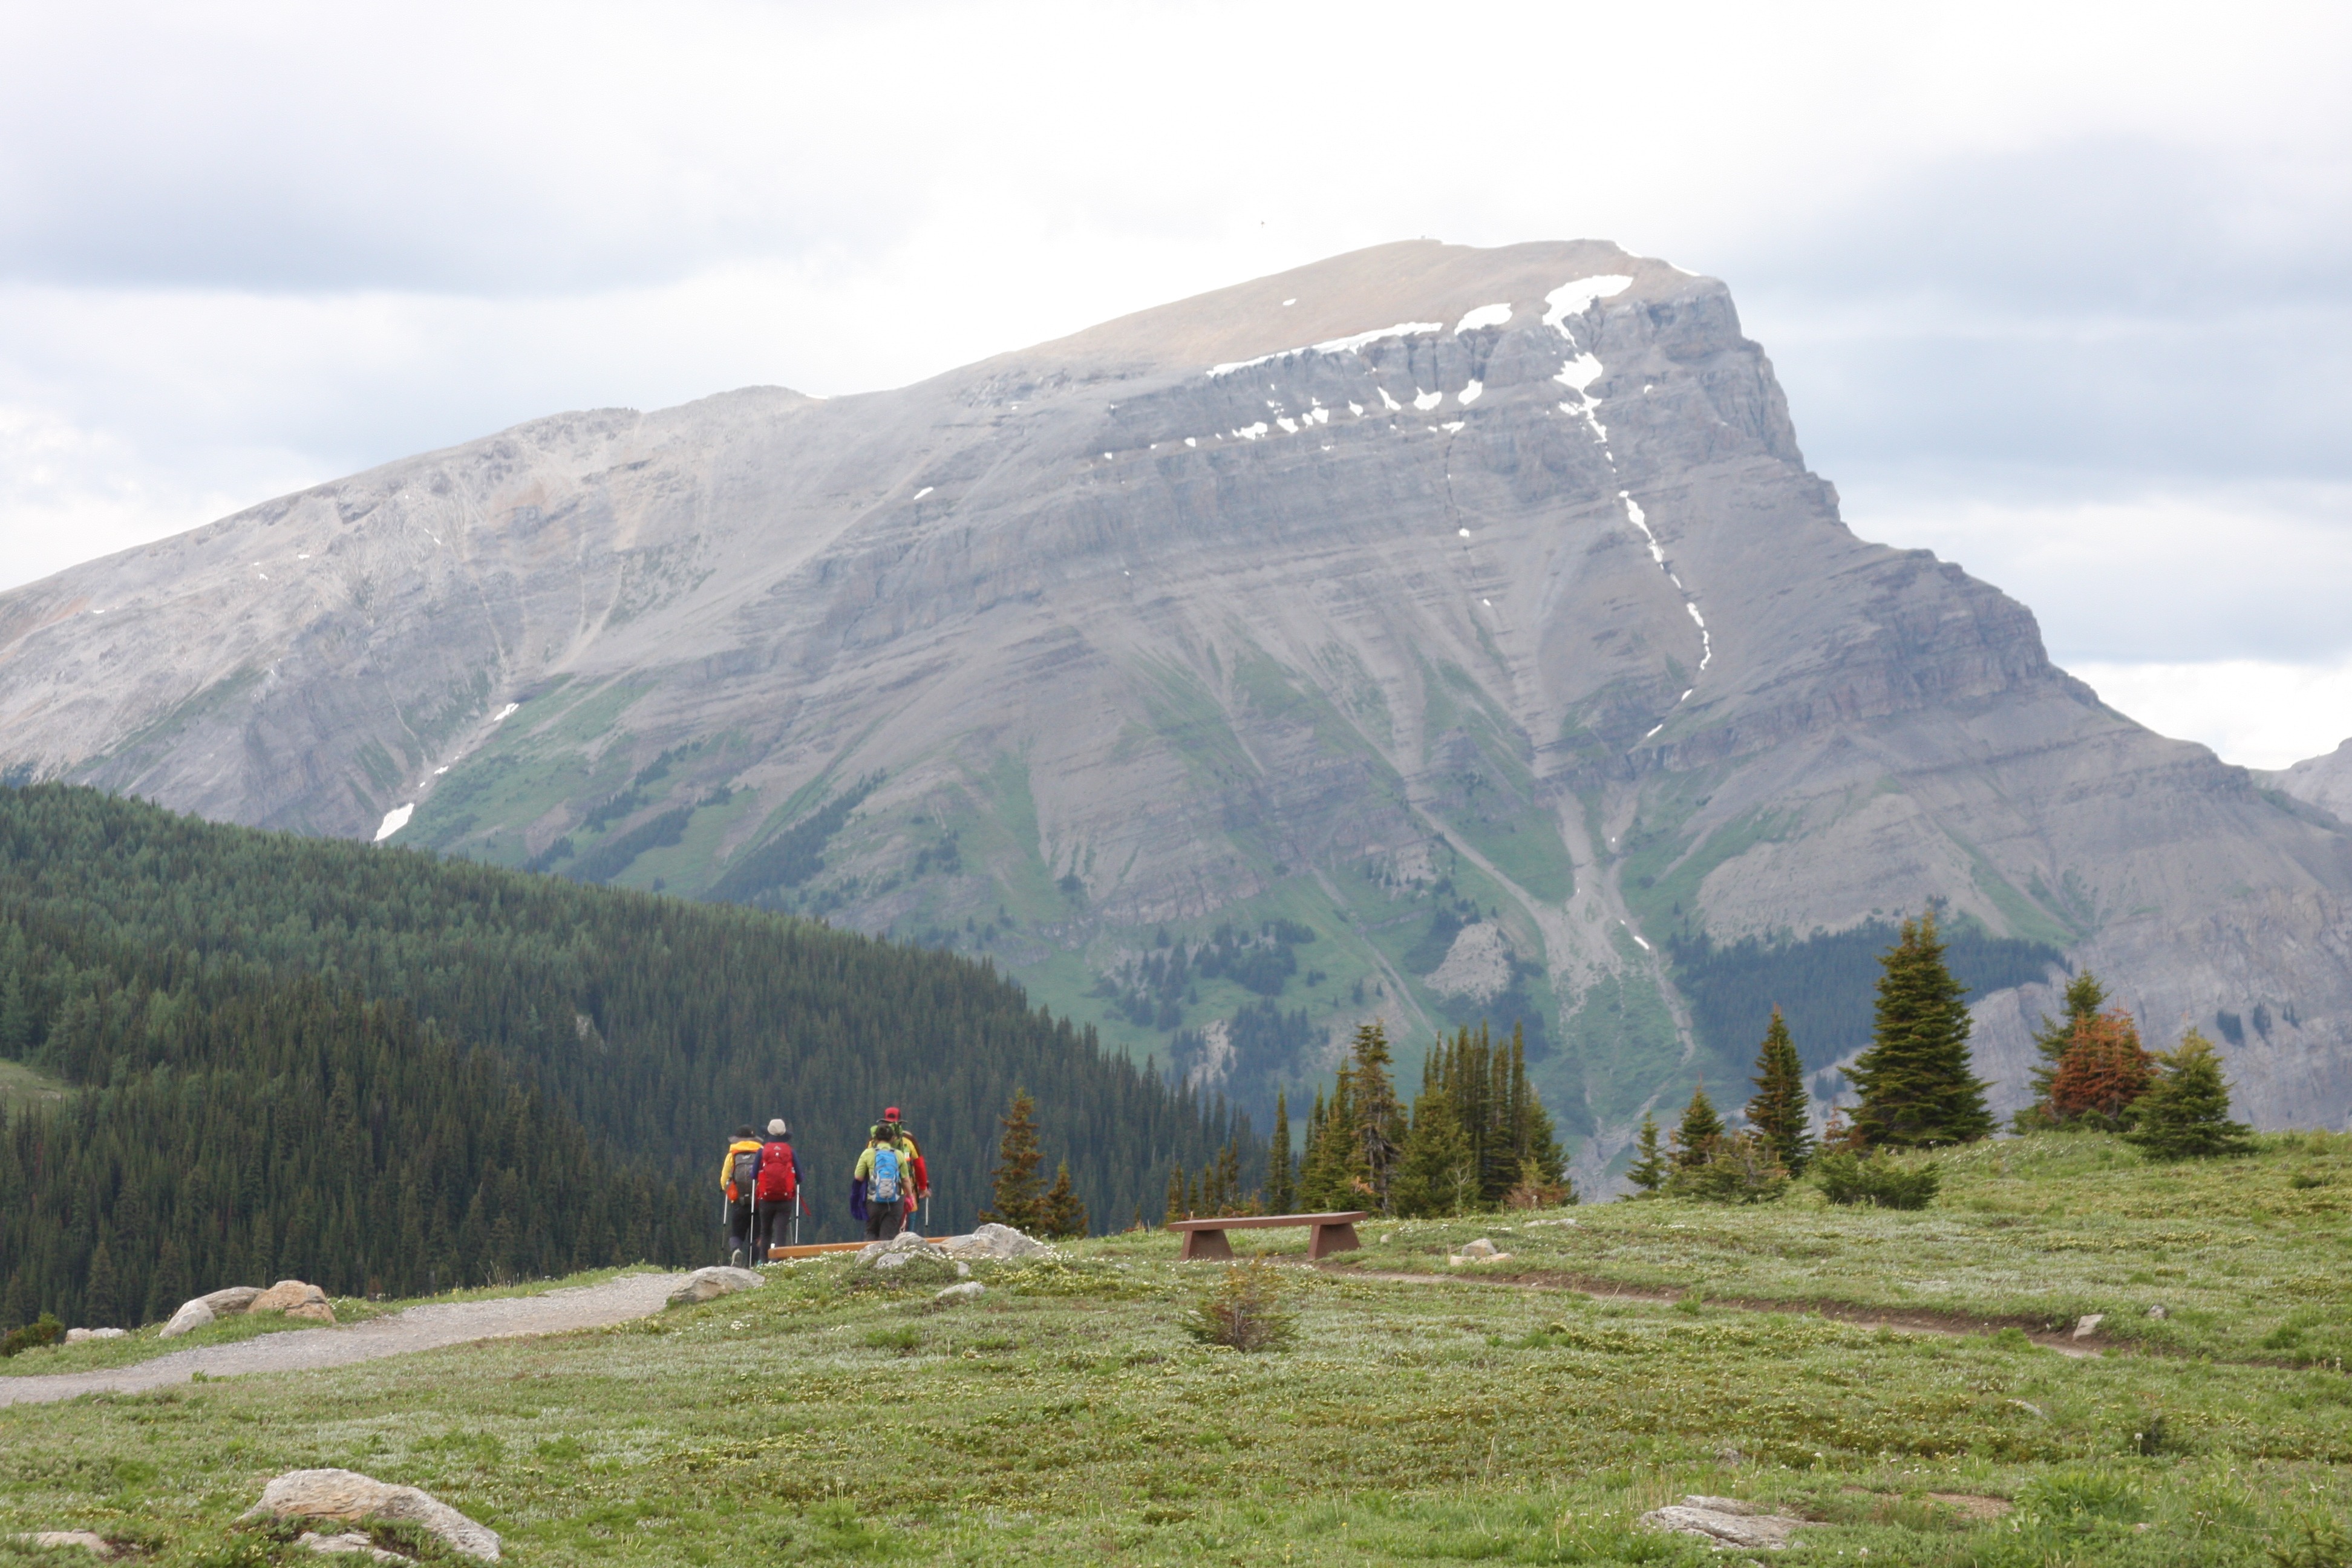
[
  {"x": 819, "y": 1249},
  {"x": 1332, "y": 1232}
]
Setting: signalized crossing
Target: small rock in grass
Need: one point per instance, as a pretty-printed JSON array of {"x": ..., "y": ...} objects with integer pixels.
[
  {"x": 351, "y": 1540},
  {"x": 970, "y": 1290},
  {"x": 88, "y": 1540},
  {"x": 1724, "y": 1521},
  {"x": 347, "y": 1497},
  {"x": 2157, "y": 1313},
  {"x": 1482, "y": 1248},
  {"x": 76, "y": 1336},
  {"x": 1001, "y": 1242},
  {"x": 2088, "y": 1324},
  {"x": 710, "y": 1284}
]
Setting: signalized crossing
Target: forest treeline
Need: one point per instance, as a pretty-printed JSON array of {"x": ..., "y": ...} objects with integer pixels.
[{"x": 301, "y": 1056}]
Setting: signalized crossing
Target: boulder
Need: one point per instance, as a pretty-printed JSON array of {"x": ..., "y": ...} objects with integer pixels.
[
  {"x": 230, "y": 1299},
  {"x": 351, "y": 1540},
  {"x": 895, "y": 1251},
  {"x": 88, "y": 1540},
  {"x": 313, "y": 1311},
  {"x": 192, "y": 1315},
  {"x": 76, "y": 1336},
  {"x": 1482, "y": 1248},
  {"x": 286, "y": 1296},
  {"x": 1000, "y": 1242},
  {"x": 710, "y": 1284},
  {"x": 348, "y": 1496},
  {"x": 970, "y": 1290},
  {"x": 1725, "y": 1522}
]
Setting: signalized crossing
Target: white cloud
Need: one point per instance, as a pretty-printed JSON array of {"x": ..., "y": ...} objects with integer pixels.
[{"x": 2250, "y": 712}]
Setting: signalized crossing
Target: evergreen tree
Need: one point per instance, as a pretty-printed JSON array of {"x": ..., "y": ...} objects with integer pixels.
[
  {"x": 1436, "y": 1171},
  {"x": 1650, "y": 1167},
  {"x": 1018, "y": 1197},
  {"x": 2104, "y": 1071},
  {"x": 2084, "y": 998},
  {"x": 1065, "y": 1215},
  {"x": 1378, "y": 1118},
  {"x": 1533, "y": 1142},
  {"x": 1693, "y": 1140},
  {"x": 1914, "y": 1082},
  {"x": 1780, "y": 1112},
  {"x": 101, "y": 1305},
  {"x": 2185, "y": 1115},
  {"x": 1328, "y": 1178},
  {"x": 1281, "y": 1180},
  {"x": 15, "y": 1018},
  {"x": 1176, "y": 1208}
]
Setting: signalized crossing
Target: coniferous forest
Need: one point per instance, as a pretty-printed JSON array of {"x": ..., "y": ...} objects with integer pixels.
[{"x": 384, "y": 1072}]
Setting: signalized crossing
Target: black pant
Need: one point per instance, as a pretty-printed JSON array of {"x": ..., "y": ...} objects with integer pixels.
[
  {"x": 772, "y": 1225},
  {"x": 881, "y": 1220},
  {"x": 739, "y": 1225}
]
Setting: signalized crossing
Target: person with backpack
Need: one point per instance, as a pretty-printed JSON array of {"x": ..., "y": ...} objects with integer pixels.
[
  {"x": 776, "y": 1192},
  {"x": 882, "y": 1178},
  {"x": 919, "y": 1192},
  {"x": 738, "y": 1174}
]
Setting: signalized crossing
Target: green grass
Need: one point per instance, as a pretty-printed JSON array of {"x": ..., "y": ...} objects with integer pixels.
[
  {"x": 22, "y": 1085},
  {"x": 1065, "y": 1416}
]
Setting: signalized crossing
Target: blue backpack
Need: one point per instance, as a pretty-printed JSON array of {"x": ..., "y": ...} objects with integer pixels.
[{"x": 882, "y": 1186}]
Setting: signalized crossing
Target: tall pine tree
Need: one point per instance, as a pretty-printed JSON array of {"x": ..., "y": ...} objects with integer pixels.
[
  {"x": 1781, "y": 1110},
  {"x": 2083, "y": 999},
  {"x": 1914, "y": 1082},
  {"x": 1281, "y": 1181},
  {"x": 2185, "y": 1115},
  {"x": 1650, "y": 1167},
  {"x": 1018, "y": 1197},
  {"x": 1380, "y": 1119},
  {"x": 1065, "y": 1216},
  {"x": 1437, "y": 1174}
]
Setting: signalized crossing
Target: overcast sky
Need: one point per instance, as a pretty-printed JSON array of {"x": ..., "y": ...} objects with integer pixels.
[{"x": 2063, "y": 293}]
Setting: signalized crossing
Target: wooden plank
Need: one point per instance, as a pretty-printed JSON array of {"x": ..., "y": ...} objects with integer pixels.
[
  {"x": 1263, "y": 1221},
  {"x": 818, "y": 1248}
]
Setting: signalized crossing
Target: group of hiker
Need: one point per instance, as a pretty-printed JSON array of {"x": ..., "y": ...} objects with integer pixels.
[{"x": 765, "y": 1201}]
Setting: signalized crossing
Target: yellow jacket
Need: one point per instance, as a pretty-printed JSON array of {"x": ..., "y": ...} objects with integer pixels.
[{"x": 726, "y": 1166}]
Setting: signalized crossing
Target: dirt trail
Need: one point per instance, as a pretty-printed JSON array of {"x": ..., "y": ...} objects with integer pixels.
[
  {"x": 428, "y": 1327},
  {"x": 1861, "y": 1317}
]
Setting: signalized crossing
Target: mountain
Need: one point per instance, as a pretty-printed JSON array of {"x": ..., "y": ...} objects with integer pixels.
[
  {"x": 1429, "y": 633},
  {"x": 280, "y": 1055},
  {"x": 2325, "y": 782}
]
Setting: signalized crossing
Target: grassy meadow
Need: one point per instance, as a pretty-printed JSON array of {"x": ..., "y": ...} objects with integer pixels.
[{"x": 1516, "y": 1410}]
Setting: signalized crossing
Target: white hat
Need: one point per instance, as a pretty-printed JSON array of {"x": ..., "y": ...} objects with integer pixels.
[{"x": 776, "y": 1128}]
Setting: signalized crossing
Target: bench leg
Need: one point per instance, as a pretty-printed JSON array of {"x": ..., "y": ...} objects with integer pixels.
[
  {"x": 1208, "y": 1243},
  {"x": 1330, "y": 1238}
]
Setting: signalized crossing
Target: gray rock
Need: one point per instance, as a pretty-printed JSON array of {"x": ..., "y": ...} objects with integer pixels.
[
  {"x": 2088, "y": 1324},
  {"x": 88, "y": 1540},
  {"x": 231, "y": 1300},
  {"x": 350, "y": 1498},
  {"x": 2157, "y": 1313},
  {"x": 970, "y": 1290},
  {"x": 993, "y": 1241},
  {"x": 192, "y": 1315},
  {"x": 1482, "y": 1248},
  {"x": 710, "y": 1284},
  {"x": 295, "y": 1298},
  {"x": 349, "y": 1543},
  {"x": 77, "y": 1336},
  {"x": 1726, "y": 1522}
]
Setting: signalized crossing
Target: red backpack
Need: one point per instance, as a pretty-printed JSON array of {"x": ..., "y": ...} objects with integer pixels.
[{"x": 775, "y": 1172}]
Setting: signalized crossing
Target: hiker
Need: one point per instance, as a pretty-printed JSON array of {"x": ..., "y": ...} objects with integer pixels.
[
  {"x": 776, "y": 1195},
  {"x": 919, "y": 1191},
  {"x": 880, "y": 1187},
  {"x": 739, "y": 1174}
]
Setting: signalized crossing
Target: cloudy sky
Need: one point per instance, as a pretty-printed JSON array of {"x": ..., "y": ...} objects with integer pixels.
[{"x": 2063, "y": 293}]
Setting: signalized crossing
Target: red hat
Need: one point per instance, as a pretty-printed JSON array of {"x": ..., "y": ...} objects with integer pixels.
[{"x": 891, "y": 1114}]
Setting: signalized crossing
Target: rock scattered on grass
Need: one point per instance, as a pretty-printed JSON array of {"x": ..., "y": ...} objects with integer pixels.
[
  {"x": 970, "y": 1290},
  {"x": 350, "y": 1542},
  {"x": 710, "y": 1284},
  {"x": 1479, "y": 1251},
  {"x": 895, "y": 1252},
  {"x": 1000, "y": 1242},
  {"x": 1725, "y": 1523},
  {"x": 347, "y": 1497},
  {"x": 2087, "y": 1325},
  {"x": 77, "y": 1336},
  {"x": 295, "y": 1299},
  {"x": 292, "y": 1296},
  {"x": 88, "y": 1540}
]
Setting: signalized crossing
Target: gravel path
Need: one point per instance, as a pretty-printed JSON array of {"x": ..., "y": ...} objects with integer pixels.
[{"x": 424, "y": 1328}]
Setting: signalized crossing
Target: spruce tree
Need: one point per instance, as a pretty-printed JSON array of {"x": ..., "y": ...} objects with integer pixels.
[
  {"x": 1065, "y": 1215},
  {"x": 1018, "y": 1197},
  {"x": 1533, "y": 1142},
  {"x": 2105, "y": 1071},
  {"x": 1174, "y": 1208},
  {"x": 1779, "y": 1111},
  {"x": 1694, "y": 1138},
  {"x": 1281, "y": 1181},
  {"x": 1325, "y": 1174},
  {"x": 1378, "y": 1118},
  {"x": 1437, "y": 1173},
  {"x": 2185, "y": 1115},
  {"x": 1650, "y": 1168},
  {"x": 1914, "y": 1082},
  {"x": 2084, "y": 996}
]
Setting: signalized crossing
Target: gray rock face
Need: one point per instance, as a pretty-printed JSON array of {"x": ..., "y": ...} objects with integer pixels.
[
  {"x": 1420, "y": 589},
  {"x": 349, "y": 1497},
  {"x": 1725, "y": 1523},
  {"x": 2325, "y": 782}
]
